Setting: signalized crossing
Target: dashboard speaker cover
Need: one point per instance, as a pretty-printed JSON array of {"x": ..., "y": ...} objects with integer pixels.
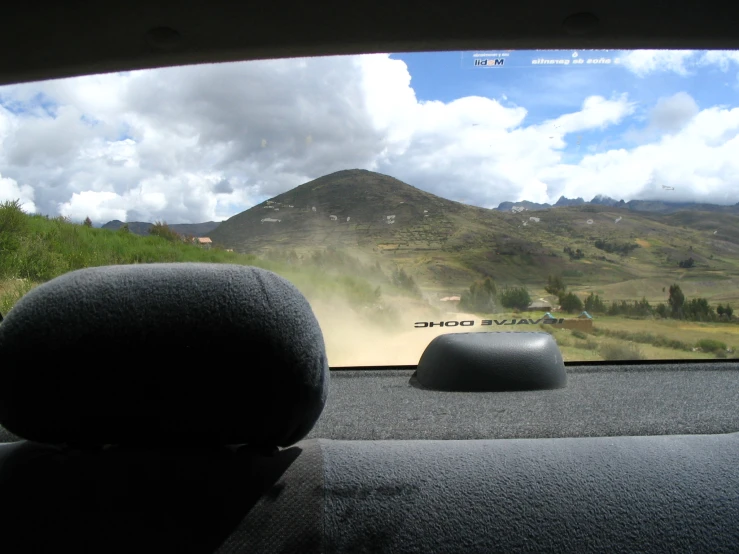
[{"x": 492, "y": 362}]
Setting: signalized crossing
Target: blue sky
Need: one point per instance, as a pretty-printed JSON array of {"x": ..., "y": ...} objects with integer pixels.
[{"x": 548, "y": 91}]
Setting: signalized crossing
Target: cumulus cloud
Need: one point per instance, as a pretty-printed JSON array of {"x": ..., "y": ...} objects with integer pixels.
[
  {"x": 672, "y": 113},
  {"x": 643, "y": 62},
  {"x": 682, "y": 62},
  {"x": 10, "y": 190},
  {"x": 191, "y": 144}
]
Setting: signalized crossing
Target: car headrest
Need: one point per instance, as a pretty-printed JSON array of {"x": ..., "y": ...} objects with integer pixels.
[{"x": 163, "y": 353}]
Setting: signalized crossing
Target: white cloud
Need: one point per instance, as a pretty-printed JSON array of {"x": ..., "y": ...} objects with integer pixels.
[
  {"x": 724, "y": 59},
  {"x": 674, "y": 112},
  {"x": 682, "y": 62},
  {"x": 643, "y": 62},
  {"x": 99, "y": 206},
  {"x": 10, "y": 190},
  {"x": 190, "y": 144}
]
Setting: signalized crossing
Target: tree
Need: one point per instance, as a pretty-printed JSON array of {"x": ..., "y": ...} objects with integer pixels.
[
  {"x": 729, "y": 311},
  {"x": 555, "y": 286},
  {"x": 480, "y": 298},
  {"x": 161, "y": 229},
  {"x": 87, "y": 222},
  {"x": 404, "y": 281},
  {"x": 515, "y": 297},
  {"x": 571, "y": 303},
  {"x": 720, "y": 310},
  {"x": 676, "y": 301},
  {"x": 594, "y": 304},
  {"x": 690, "y": 262}
]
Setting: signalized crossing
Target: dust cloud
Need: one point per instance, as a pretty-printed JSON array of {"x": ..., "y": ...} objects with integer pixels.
[{"x": 353, "y": 340}]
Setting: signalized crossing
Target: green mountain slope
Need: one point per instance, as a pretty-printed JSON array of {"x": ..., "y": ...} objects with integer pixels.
[{"x": 445, "y": 245}]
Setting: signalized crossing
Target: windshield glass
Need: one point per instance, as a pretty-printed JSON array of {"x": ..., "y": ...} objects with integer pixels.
[{"x": 588, "y": 194}]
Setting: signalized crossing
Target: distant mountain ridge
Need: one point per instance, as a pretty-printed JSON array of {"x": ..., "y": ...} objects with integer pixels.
[
  {"x": 142, "y": 227},
  {"x": 657, "y": 206}
]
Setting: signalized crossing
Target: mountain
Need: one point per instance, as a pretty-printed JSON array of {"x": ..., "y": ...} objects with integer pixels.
[
  {"x": 656, "y": 206},
  {"x": 446, "y": 245},
  {"x": 142, "y": 228},
  {"x": 607, "y": 201},
  {"x": 530, "y": 206},
  {"x": 569, "y": 202},
  {"x": 350, "y": 207}
]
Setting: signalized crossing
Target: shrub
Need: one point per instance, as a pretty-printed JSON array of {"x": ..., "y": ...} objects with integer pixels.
[
  {"x": 87, "y": 222},
  {"x": 570, "y": 303},
  {"x": 161, "y": 229},
  {"x": 516, "y": 298},
  {"x": 590, "y": 345},
  {"x": 613, "y": 351},
  {"x": 711, "y": 345},
  {"x": 579, "y": 334},
  {"x": 480, "y": 298},
  {"x": 555, "y": 286}
]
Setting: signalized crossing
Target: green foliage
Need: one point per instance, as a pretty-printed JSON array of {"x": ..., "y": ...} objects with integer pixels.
[
  {"x": 698, "y": 309},
  {"x": 637, "y": 308},
  {"x": 87, "y": 222},
  {"x": 594, "y": 305},
  {"x": 676, "y": 302},
  {"x": 571, "y": 303},
  {"x": 13, "y": 226},
  {"x": 711, "y": 345},
  {"x": 124, "y": 228},
  {"x": 643, "y": 338},
  {"x": 613, "y": 351},
  {"x": 405, "y": 282},
  {"x": 480, "y": 298},
  {"x": 161, "y": 229},
  {"x": 623, "y": 248},
  {"x": 44, "y": 248},
  {"x": 517, "y": 298},
  {"x": 555, "y": 286},
  {"x": 579, "y": 334},
  {"x": 11, "y": 291},
  {"x": 662, "y": 311},
  {"x": 690, "y": 262},
  {"x": 727, "y": 311},
  {"x": 576, "y": 254}
]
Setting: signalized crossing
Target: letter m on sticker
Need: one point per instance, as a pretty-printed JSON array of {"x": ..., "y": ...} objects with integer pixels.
[{"x": 499, "y": 61}]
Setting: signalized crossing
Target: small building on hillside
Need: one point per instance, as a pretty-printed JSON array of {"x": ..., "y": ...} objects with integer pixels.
[
  {"x": 450, "y": 299},
  {"x": 583, "y": 322},
  {"x": 205, "y": 242}
]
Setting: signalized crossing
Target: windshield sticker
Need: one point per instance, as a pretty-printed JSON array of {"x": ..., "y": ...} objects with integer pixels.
[{"x": 487, "y": 322}]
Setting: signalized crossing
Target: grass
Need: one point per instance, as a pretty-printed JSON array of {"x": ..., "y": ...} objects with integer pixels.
[
  {"x": 35, "y": 249},
  {"x": 619, "y": 351},
  {"x": 344, "y": 294}
]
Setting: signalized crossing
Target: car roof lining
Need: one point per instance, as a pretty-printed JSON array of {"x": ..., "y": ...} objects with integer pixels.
[{"x": 75, "y": 38}]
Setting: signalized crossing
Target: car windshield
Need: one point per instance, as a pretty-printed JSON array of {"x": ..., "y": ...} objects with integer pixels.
[{"x": 588, "y": 194}]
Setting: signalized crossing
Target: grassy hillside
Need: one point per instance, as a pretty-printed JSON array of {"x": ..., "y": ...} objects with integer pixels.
[
  {"x": 342, "y": 291},
  {"x": 446, "y": 245},
  {"x": 374, "y": 254}
]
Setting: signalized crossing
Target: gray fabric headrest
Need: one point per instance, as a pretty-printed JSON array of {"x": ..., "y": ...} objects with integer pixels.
[{"x": 162, "y": 353}]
